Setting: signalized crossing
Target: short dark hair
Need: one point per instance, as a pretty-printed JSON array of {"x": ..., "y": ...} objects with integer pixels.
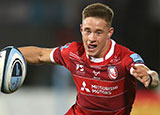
[{"x": 98, "y": 10}]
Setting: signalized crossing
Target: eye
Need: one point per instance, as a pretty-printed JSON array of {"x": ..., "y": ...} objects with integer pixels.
[
  {"x": 99, "y": 32},
  {"x": 87, "y": 31}
]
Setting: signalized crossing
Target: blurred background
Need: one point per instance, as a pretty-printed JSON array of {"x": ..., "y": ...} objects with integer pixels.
[{"x": 49, "y": 89}]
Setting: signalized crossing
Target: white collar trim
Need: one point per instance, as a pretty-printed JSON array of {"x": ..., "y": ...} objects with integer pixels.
[
  {"x": 96, "y": 60},
  {"x": 111, "y": 51}
]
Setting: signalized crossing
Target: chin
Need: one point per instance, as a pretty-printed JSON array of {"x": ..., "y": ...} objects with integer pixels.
[{"x": 91, "y": 55}]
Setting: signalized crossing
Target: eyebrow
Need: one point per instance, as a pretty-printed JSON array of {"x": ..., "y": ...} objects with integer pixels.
[
  {"x": 87, "y": 28},
  {"x": 99, "y": 30}
]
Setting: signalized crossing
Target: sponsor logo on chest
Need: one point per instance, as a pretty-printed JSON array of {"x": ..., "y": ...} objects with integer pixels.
[
  {"x": 84, "y": 88},
  {"x": 97, "y": 89}
]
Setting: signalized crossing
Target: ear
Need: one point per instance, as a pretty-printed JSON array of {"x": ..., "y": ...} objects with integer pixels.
[
  {"x": 81, "y": 28},
  {"x": 110, "y": 32}
]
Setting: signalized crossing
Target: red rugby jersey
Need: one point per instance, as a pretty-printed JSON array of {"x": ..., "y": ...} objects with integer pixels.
[{"x": 104, "y": 85}]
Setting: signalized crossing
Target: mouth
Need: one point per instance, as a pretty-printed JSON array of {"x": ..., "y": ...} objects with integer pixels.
[{"x": 91, "y": 47}]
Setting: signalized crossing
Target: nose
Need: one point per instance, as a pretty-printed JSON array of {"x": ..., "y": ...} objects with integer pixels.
[{"x": 92, "y": 38}]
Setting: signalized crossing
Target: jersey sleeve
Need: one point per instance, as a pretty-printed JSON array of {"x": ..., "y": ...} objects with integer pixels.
[
  {"x": 60, "y": 55},
  {"x": 132, "y": 58},
  {"x": 128, "y": 58}
]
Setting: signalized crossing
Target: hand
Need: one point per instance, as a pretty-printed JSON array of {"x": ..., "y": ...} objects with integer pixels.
[{"x": 140, "y": 72}]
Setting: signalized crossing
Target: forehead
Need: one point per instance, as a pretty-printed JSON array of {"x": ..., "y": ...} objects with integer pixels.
[{"x": 94, "y": 22}]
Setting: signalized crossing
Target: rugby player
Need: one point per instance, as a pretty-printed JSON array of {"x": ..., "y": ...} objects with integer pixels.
[{"x": 105, "y": 72}]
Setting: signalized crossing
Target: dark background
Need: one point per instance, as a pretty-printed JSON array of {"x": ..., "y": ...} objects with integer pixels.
[{"x": 49, "y": 23}]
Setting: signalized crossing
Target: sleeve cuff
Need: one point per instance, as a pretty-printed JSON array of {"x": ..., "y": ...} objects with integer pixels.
[{"x": 51, "y": 55}]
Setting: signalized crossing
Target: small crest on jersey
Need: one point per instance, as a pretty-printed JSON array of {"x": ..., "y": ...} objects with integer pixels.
[
  {"x": 112, "y": 72},
  {"x": 136, "y": 58}
]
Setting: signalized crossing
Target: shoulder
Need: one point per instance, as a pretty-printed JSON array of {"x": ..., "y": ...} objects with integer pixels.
[
  {"x": 122, "y": 50},
  {"x": 73, "y": 46},
  {"x": 61, "y": 54},
  {"x": 128, "y": 55}
]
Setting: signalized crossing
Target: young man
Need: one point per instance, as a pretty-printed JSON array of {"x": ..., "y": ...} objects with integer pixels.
[{"x": 105, "y": 73}]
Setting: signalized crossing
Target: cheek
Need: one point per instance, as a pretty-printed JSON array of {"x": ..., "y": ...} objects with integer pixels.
[
  {"x": 84, "y": 38},
  {"x": 102, "y": 39},
  {"x": 102, "y": 42},
  {"x": 84, "y": 41}
]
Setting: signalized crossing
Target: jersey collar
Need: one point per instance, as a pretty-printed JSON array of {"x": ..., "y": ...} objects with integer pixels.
[{"x": 107, "y": 55}]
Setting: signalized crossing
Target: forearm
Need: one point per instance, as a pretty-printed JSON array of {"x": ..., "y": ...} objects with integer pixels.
[{"x": 32, "y": 54}]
